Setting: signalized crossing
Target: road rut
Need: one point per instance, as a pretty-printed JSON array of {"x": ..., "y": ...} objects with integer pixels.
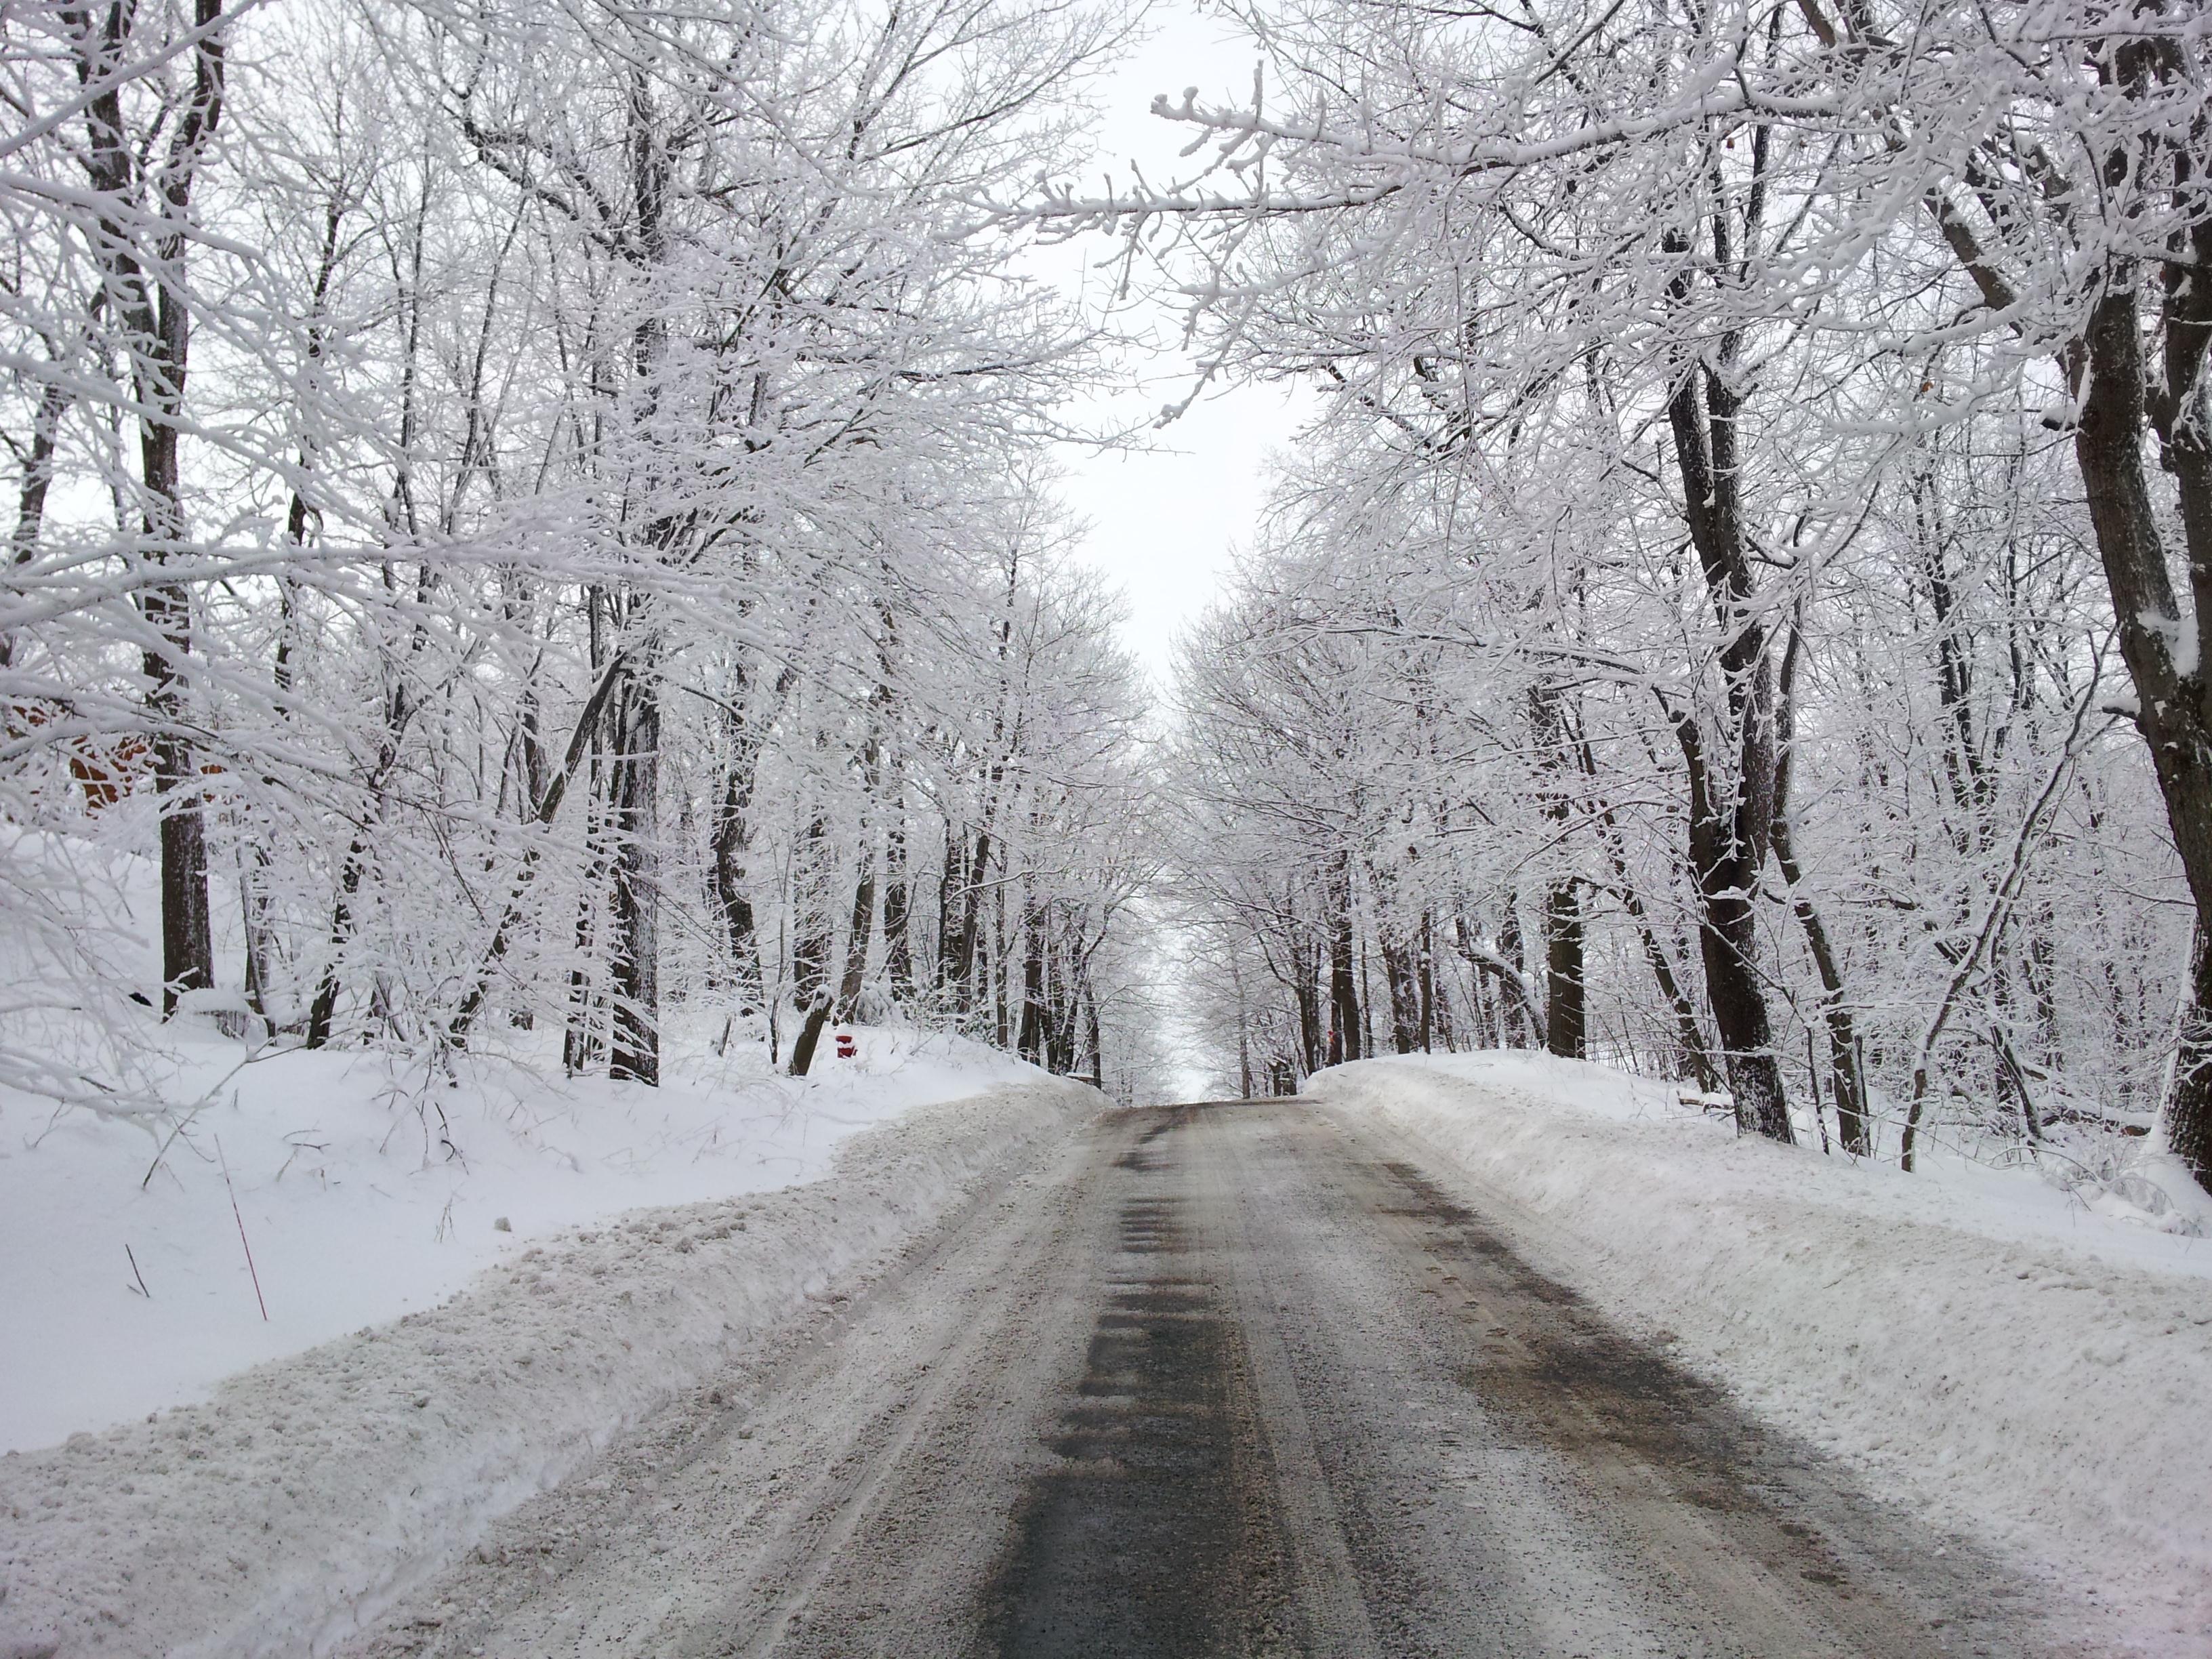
[{"x": 1230, "y": 1379}]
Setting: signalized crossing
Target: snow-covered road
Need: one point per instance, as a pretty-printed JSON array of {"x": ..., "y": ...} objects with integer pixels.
[{"x": 1220, "y": 1379}]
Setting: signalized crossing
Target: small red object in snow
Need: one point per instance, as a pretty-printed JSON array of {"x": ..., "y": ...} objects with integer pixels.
[{"x": 846, "y": 1049}]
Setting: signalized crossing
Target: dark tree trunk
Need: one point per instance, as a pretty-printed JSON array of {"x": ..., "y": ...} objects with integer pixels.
[
  {"x": 1092, "y": 1027},
  {"x": 967, "y": 951},
  {"x": 1564, "y": 1002},
  {"x": 2189, "y": 1100},
  {"x": 1344, "y": 1011},
  {"x": 1550, "y": 721},
  {"x": 812, "y": 944},
  {"x": 951, "y": 886},
  {"x": 898, "y": 904},
  {"x": 1732, "y": 793},
  {"x": 39, "y": 475},
  {"x": 1002, "y": 1015},
  {"x": 1405, "y": 995},
  {"x": 1518, "y": 1022},
  {"x": 187, "y": 937},
  {"x": 1366, "y": 999},
  {"x": 155, "y": 315},
  {"x": 1033, "y": 1040},
  {"x": 1436, "y": 1019},
  {"x": 1060, "y": 997},
  {"x": 634, "y": 824},
  {"x": 2176, "y": 711},
  {"x": 1243, "y": 1029},
  {"x": 322, "y": 1009},
  {"x": 809, "y": 1034},
  {"x": 1305, "y": 987},
  {"x": 856, "y": 942}
]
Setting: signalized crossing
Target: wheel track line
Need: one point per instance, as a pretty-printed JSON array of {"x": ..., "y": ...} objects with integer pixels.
[
  {"x": 798, "y": 1364},
  {"x": 1730, "y": 1562},
  {"x": 1644, "y": 1501},
  {"x": 1330, "y": 1597},
  {"x": 1019, "y": 1252}
]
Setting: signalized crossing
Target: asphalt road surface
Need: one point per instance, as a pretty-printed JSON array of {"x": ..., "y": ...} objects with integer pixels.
[{"x": 1222, "y": 1380}]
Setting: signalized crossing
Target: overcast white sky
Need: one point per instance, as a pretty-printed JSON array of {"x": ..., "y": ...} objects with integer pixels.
[{"x": 1163, "y": 522}]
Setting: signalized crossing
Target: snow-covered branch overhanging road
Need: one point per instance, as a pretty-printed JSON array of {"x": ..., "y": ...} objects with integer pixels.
[{"x": 1491, "y": 1355}]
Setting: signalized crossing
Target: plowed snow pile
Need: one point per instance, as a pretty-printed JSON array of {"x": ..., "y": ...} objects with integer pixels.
[
  {"x": 1985, "y": 1343},
  {"x": 365, "y": 1190},
  {"x": 309, "y": 1491}
]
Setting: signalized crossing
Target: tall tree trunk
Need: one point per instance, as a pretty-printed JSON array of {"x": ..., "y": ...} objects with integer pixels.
[
  {"x": 2175, "y": 709},
  {"x": 579, "y": 1040},
  {"x": 952, "y": 888},
  {"x": 1033, "y": 1038},
  {"x": 812, "y": 943},
  {"x": 1436, "y": 1018},
  {"x": 968, "y": 949},
  {"x": 1243, "y": 1028},
  {"x": 1727, "y": 940},
  {"x": 898, "y": 917},
  {"x": 1563, "y": 1001},
  {"x": 634, "y": 827},
  {"x": 156, "y": 316},
  {"x": 863, "y": 925},
  {"x": 1091, "y": 1028},
  {"x": 1731, "y": 793},
  {"x": 1344, "y": 1011},
  {"x": 322, "y": 1011},
  {"x": 1398, "y": 973},
  {"x": 1002, "y": 955},
  {"x": 1524, "y": 1008},
  {"x": 1305, "y": 988}
]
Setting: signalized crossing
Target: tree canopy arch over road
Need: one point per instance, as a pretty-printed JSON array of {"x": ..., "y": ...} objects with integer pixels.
[{"x": 541, "y": 518}]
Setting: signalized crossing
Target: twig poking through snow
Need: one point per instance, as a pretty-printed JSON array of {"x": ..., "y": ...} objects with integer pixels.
[
  {"x": 140, "y": 1278},
  {"x": 234, "y": 1215}
]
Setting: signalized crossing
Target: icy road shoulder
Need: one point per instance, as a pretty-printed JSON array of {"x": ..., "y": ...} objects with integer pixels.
[
  {"x": 310, "y": 1491},
  {"x": 2028, "y": 1369}
]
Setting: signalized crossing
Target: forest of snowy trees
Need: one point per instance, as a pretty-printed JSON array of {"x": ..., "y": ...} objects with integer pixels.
[
  {"x": 1762, "y": 489},
  {"x": 536, "y": 518}
]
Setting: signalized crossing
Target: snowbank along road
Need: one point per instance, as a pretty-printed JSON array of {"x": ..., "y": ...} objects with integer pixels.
[{"x": 1219, "y": 1379}]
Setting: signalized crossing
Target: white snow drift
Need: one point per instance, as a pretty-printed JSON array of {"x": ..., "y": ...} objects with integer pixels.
[
  {"x": 311, "y": 1491},
  {"x": 363, "y": 1194}
]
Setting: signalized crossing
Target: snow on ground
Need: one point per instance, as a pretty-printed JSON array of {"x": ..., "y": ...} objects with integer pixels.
[
  {"x": 1986, "y": 1344},
  {"x": 362, "y": 1195},
  {"x": 306, "y": 1493}
]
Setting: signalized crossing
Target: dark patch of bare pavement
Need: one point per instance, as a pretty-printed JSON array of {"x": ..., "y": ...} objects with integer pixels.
[{"x": 1226, "y": 1379}]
